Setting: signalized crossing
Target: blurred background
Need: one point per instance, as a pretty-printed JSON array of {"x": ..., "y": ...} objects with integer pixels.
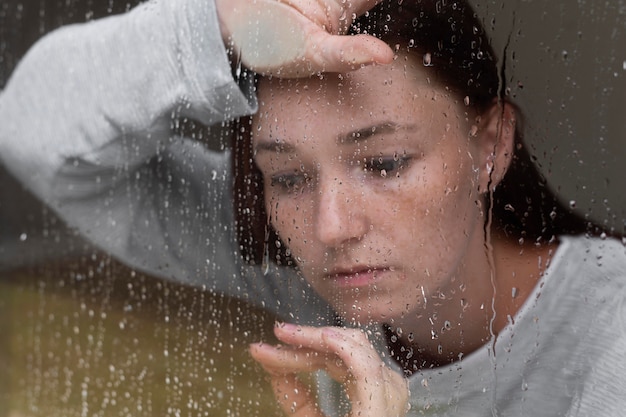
[{"x": 566, "y": 68}]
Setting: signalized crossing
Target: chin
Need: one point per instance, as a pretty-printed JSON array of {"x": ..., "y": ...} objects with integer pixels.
[{"x": 365, "y": 312}]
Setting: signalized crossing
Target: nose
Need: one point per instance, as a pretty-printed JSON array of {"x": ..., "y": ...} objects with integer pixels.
[{"x": 341, "y": 212}]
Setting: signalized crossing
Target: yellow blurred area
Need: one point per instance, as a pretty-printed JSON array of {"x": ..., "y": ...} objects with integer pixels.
[{"x": 91, "y": 337}]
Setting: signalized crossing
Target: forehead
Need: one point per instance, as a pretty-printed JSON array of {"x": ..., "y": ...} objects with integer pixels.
[{"x": 400, "y": 91}]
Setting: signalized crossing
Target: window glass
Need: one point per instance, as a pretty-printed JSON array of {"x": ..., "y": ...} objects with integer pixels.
[{"x": 183, "y": 235}]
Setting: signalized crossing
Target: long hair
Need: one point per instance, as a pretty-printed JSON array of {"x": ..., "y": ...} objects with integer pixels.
[{"x": 450, "y": 39}]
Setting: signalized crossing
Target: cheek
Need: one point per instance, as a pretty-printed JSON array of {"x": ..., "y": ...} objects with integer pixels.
[
  {"x": 435, "y": 198},
  {"x": 290, "y": 219}
]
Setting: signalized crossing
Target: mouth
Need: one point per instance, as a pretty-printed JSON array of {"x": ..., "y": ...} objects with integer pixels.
[{"x": 357, "y": 276}]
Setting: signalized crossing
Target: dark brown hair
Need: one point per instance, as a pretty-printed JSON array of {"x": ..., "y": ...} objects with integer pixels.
[{"x": 456, "y": 50}]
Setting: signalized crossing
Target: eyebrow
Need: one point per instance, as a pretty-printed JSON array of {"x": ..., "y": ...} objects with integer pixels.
[
  {"x": 361, "y": 135},
  {"x": 355, "y": 136}
]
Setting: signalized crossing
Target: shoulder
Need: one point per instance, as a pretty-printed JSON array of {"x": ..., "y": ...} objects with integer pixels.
[
  {"x": 593, "y": 257},
  {"x": 587, "y": 280}
]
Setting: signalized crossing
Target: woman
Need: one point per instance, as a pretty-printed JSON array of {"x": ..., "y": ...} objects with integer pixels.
[
  {"x": 389, "y": 186},
  {"x": 379, "y": 182}
]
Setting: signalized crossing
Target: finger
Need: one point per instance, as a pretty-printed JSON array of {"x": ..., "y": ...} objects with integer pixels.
[
  {"x": 373, "y": 388},
  {"x": 351, "y": 345},
  {"x": 377, "y": 389},
  {"x": 335, "y": 16},
  {"x": 282, "y": 360},
  {"x": 358, "y": 7},
  {"x": 349, "y": 355},
  {"x": 343, "y": 53}
]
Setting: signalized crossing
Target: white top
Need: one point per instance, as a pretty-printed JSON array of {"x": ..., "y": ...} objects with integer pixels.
[
  {"x": 563, "y": 354},
  {"x": 85, "y": 123}
]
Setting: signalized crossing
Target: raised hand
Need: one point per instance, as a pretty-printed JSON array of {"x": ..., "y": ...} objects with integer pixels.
[
  {"x": 298, "y": 38},
  {"x": 346, "y": 355}
]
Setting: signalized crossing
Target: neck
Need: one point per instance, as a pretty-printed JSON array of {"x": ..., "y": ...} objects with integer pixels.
[{"x": 455, "y": 326}]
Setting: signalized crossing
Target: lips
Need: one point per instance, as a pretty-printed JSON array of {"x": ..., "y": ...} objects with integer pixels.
[{"x": 358, "y": 276}]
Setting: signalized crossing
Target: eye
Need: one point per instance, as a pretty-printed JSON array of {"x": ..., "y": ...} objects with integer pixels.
[
  {"x": 291, "y": 183},
  {"x": 384, "y": 166}
]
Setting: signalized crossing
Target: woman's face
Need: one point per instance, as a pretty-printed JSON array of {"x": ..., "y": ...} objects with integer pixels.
[{"x": 371, "y": 180}]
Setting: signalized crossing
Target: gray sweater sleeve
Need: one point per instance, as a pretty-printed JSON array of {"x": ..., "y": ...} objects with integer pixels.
[
  {"x": 85, "y": 124},
  {"x": 107, "y": 87}
]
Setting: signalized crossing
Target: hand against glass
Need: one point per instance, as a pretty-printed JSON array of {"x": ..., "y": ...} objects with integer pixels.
[
  {"x": 346, "y": 355},
  {"x": 298, "y": 38}
]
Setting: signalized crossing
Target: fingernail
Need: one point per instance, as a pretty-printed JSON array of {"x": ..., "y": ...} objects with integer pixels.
[{"x": 286, "y": 326}]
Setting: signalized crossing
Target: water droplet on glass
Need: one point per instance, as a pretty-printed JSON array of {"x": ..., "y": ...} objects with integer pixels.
[
  {"x": 265, "y": 266},
  {"x": 427, "y": 60}
]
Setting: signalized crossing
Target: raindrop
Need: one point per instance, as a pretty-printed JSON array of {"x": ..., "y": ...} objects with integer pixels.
[
  {"x": 572, "y": 203},
  {"x": 427, "y": 60},
  {"x": 265, "y": 265},
  {"x": 23, "y": 237}
]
